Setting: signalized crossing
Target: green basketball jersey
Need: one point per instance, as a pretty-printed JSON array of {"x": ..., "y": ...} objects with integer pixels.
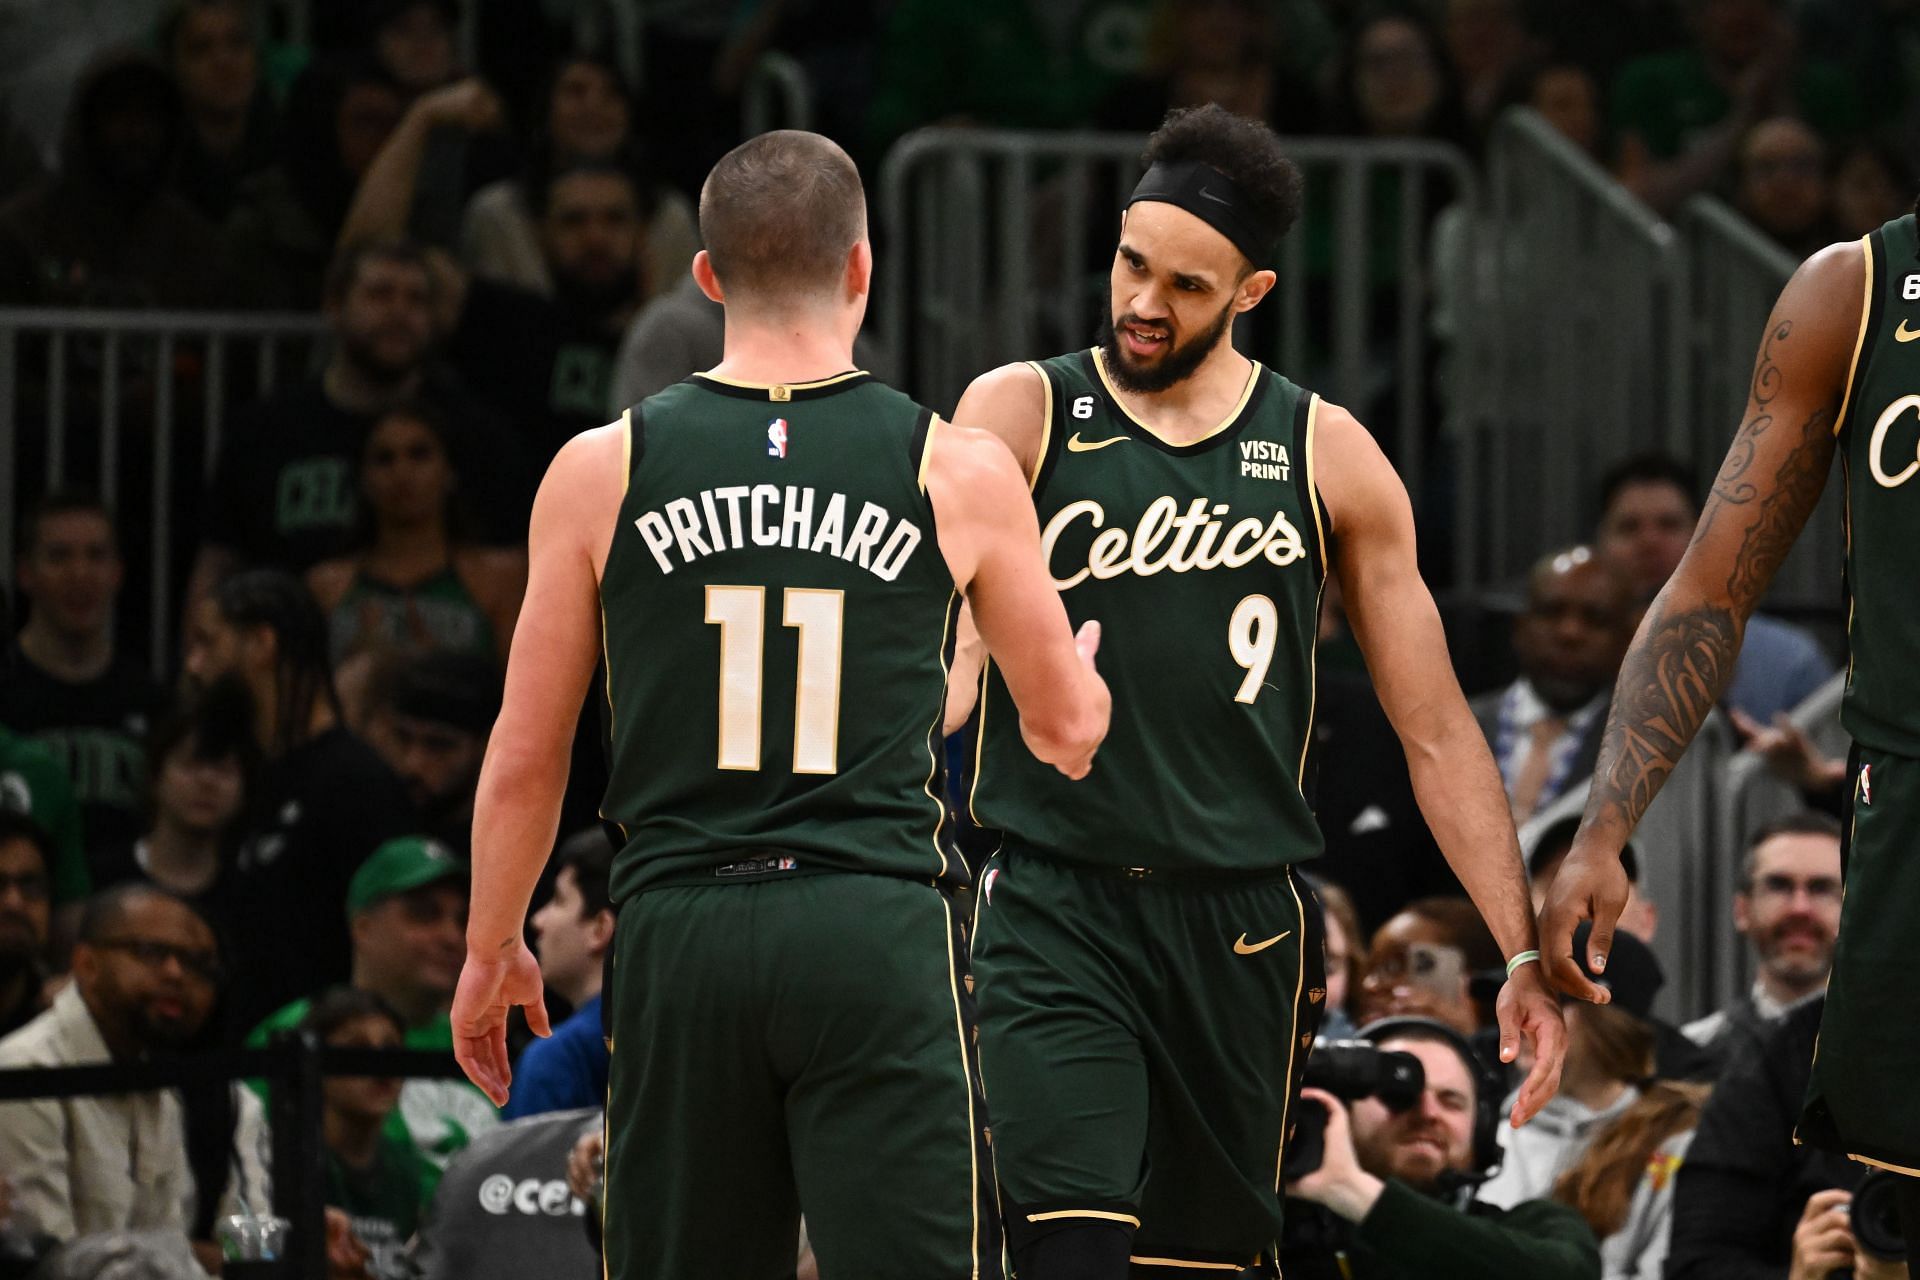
[
  {"x": 1203, "y": 564},
  {"x": 1879, "y": 431},
  {"x": 777, "y": 614}
]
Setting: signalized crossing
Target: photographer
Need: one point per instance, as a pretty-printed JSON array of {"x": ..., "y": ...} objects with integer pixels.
[{"x": 1396, "y": 1183}]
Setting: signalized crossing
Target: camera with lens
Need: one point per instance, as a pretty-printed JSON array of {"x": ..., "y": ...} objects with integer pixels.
[
  {"x": 1874, "y": 1214},
  {"x": 1348, "y": 1069}
]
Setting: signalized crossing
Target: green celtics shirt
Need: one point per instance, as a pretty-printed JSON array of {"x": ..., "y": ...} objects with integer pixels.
[
  {"x": 1879, "y": 442},
  {"x": 777, "y": 615},
  {"x": 1203, "y": 564}
]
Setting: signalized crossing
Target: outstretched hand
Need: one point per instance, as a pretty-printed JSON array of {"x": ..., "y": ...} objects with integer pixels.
[
  {"x": 1529, "y": 1011},
  {"x": 1590, "y": 885},
  {"x": 489, "y": 989}
]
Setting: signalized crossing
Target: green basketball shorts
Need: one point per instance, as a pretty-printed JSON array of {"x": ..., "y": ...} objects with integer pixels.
[
  {"x": 795, "y": 1043},
  {"x": 1142, "y": 1039},
  {"x": 1868, "y": 1054}
]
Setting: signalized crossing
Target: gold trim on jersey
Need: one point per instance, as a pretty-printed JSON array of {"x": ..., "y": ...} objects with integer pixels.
[
  {"x": 1113, "y": 393},
  {"x": 1860, "y": 337},
  {"x": 606, "y": 653},
  {"x": 1103, "y": 1214},
  {"x": 781, "y": 390},
  {"x": 926, "y": 449},
  {"x": 1313, "y": 490},
  {"x": 1182, "y": 1262},
  {"x": 1046, "y": 425},
  {"x": 979, "y": 742},
  {"x": 933, "y": 758},
  {"x": 1293, "y": 1037},
  {"x": 966, "y": 1076}
]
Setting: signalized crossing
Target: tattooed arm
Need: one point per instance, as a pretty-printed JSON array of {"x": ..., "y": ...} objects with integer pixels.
[{"x": 1684, "y": 653}]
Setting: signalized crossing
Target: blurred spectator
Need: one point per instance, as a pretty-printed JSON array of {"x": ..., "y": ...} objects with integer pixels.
[
  {"x": 1342, "y": 938},
  {"x": 233, "y": 131},
  {"x": 1423, "y": 964},
  {"x": 550, "y": 360},
  {"x": 106, "y": 231},
  {"x": 1740, "y": 1197},
  {"x": 381, "y": 1183},
  {"x": 26, "y": 917},
  {"x": 1681, "y": 114},
  {"x": 1219, "y": 51},
  {"x": 415, "y": 583},
  {"x": 588, "y": 116},
  {"x": 44, "y": 50},
  {"x": 1566, "y": 93},
  {"x": 68, "y": 689},
  {"x": 1781, "y": 185},
  {"x": 1404, "y": 1179},
  {"x": 1872, "y": 185},
  {"x": 572, "y": 935},
  {"x": 145, "y": 973},
  {"x": 691, "y": 120},
  {"x": 1647, "y": 514},
  {"x": 325, "y": 800},
  {"x": 283, "y": 490},
  {"x": 1570, "y": 639},
  {"x": 20, "y": 164},
  {"x": 1788, "y": 909},
  {"x": 407, "y": 909},
  {"x": 1609, "y": 1053},
  {"x": 1487, "y": 42},
  {"x": 1395, "y": 81},
  {"x": 1017, "y": 64},
  {"x": 202, "y": 760},
  {"x": 339, "y": 115},
  {"x": 1623, "y": 1186},
  {"x": 33, "y": 783},
  {"x": 467, "y": 1233},
  {"x": 412, "y": 40},
  {"x": 1641, "y": 917},
  {"x": 430, "y": 724}
]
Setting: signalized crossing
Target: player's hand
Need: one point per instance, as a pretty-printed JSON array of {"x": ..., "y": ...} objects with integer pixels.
[
  {"x": 1339, "y": 1183},
  {"x": 1823, "y": 1241},
  {"x": 1590, "y": 885},
  {"x": 1529, "y": 1011},
  {"x": 490, "y": 986}
]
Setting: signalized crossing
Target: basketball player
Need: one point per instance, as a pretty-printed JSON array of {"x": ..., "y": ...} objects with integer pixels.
[
  {"x": 1836, "y": 372},
  {"x": 1148, "y": 972},
  {"x": 770, "y": 554}
]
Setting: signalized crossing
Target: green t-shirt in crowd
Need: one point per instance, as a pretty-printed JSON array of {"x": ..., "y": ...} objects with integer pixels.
[
  {"x": 33, "y": 782},
  {"x": 1408, "y": 1235},
  {"x": 384, "y": 1201},
  {"x": 1669, "y": 98}
]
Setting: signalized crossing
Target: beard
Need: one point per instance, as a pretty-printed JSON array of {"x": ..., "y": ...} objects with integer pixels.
[
  {"x": 1179, "y": 363},
  {"x": 596, "y": 297}
]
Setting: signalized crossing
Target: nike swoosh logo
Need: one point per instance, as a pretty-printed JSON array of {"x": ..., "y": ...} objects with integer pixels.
[
  {"x": 1242, "y": 947},
  {"x": 1904, "y": 334},
  {"x": 1208, "y": 195},
  {"x": 1077, "y": 445}
]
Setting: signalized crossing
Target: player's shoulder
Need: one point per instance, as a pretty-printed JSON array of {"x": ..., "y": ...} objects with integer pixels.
[{"x": 969, "y": 457}]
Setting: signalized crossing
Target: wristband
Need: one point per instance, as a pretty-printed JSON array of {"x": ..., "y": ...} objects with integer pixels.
[{"x": 1525, "y": 957}]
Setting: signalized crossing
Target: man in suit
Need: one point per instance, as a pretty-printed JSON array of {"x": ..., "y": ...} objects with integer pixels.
[{"x": 1570, "y": 639}]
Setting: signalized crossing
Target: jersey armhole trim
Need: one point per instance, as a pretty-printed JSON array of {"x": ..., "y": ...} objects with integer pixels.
[
  {"x": 634, "y": 447},
  {"x": 1868, "y": 304},
  {"x": 1046, "y": 427},
  {"x": 1308, "y": 434},
  {"x": 923, "y": 444}
]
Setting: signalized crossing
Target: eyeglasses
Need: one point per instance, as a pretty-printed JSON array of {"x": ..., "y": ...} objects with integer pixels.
[
  {"x": 204, "y": 965},
  {"x": 1819, "y": 888},
  {"x": 32, "y": 885}
]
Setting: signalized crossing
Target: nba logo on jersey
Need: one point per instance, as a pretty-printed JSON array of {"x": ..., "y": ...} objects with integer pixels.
[
  {"x": 1866, "y": 784},
  {"x": 777, "y": 438}
]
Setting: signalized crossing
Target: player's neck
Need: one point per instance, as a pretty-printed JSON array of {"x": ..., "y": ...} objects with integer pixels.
[
  {"x": 791, "y": 347},
  {"x": 1196, "y": 405},
  {"x": 69, "y": 658}
]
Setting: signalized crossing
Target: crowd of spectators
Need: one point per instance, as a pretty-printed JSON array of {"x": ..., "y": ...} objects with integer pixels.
[{"x": 497, "y": 241}]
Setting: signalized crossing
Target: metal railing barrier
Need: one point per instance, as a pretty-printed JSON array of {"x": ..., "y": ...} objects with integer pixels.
[{"x": 134, "y": 404}]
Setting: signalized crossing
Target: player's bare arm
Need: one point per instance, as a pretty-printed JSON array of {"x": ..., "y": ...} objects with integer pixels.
[
  {"x": 1683, "y": 655},
  {"x": 990, "y": 538},
  {"x": 1454, "y": 777},
  {"x": 1010, "y": 402},
  {"x": 516, "y": 812}
]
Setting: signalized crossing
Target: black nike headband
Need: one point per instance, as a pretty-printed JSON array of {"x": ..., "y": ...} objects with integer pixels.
[{"x": 1212, "y": 197}]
